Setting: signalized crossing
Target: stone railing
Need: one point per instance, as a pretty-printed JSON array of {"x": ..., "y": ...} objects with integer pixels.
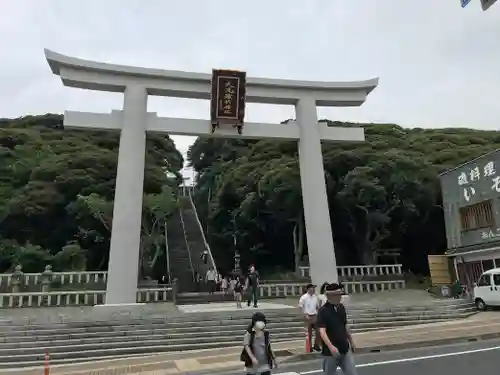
[
  {"x": 96, "y": 280},
  {"x": 19, "y": 279},
  {"x": 358, "y": 272},
  {"x": 79, "y": 298},
  {"x": 202, "y": 232},
  {"x": 350, "y": 287}
]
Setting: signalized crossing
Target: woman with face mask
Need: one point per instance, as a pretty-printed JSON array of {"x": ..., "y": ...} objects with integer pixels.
[{"x": 257, "y": 353}]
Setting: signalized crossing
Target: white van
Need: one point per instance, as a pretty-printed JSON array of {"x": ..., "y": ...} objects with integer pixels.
[{"x": 487, "y": 289}]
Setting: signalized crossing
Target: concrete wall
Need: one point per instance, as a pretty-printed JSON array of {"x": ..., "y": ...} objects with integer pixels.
[{"x": 470, "y": 183}]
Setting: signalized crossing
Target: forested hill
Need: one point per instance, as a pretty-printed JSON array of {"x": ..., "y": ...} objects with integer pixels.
[
  {"x": 383, "y": 194},
  {"x": 56, "y": 191}
]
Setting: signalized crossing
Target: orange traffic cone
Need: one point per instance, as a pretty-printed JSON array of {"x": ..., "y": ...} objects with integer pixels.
[
  {"x": 308, "y": 342},
  {"x": 46, "y": 369}
]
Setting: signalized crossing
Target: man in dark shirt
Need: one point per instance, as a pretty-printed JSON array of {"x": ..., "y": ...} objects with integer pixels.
[
  {"x": 337, "y": 342},
  {"x": 252, "y": 286}
]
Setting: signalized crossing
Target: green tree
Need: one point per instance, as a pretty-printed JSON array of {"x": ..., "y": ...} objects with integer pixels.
[
  {"x": 383, "y": 193},
  {"x": 53, "y": 180}
]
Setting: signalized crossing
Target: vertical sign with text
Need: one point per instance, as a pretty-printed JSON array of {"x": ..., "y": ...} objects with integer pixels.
[{"x": 228, "y": 97}]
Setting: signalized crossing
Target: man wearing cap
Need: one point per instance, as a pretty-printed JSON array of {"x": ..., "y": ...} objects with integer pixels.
[
  {"x": 337, "y": 342},
  {"x": 309, "y": 304}
]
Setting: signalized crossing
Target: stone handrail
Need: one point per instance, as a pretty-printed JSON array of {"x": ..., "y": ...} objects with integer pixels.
[
  {"x": 167, "y": 294},
  {"x": 100, "y": 277},
  {"x": 167, "y": 254},
  {"x": 212, "y": 261},
  {"x": 64, "y": 278},
  {"x": 363, "y": 271},
  {"x": 77, "y": 298},
  {"x": 350, "y": 287}
]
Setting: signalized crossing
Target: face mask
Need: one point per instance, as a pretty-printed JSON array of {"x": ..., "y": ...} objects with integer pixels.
[{"x": 260, "y": 325}]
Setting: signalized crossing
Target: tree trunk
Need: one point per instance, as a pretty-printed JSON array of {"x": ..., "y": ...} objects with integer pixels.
[
  {"x": 367, "y": 255},
  {"x": 362, "y": 237},
  {"x": 298, "y": 243}
]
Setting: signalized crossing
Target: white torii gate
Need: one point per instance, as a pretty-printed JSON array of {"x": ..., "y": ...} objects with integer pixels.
[{"x": 134, "y": 121}]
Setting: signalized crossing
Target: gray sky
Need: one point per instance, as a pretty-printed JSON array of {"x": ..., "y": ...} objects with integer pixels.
[{"x": 439, "y": 64}]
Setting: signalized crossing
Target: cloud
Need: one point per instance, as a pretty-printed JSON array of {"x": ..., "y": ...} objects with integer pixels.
[{"x": 438, "y": 63}]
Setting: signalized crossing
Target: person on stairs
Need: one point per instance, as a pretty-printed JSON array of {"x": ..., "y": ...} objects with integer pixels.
[
  {"x": 257, "y": 354},
  {"x": 252, "y": 286},
  {"x": 204, "y": 256}
]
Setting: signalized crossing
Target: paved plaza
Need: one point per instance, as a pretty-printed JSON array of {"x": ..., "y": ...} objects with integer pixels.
[{"x": 231, "y": 306}]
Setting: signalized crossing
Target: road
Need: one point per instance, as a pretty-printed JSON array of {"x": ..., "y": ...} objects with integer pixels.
[{"x": 460, "y": 359}]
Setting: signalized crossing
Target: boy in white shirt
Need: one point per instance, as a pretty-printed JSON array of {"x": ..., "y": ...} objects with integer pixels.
[{"x": 309, "y": 304}]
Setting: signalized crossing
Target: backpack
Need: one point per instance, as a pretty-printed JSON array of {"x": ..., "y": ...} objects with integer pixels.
[{"x": 244, "y": 357}]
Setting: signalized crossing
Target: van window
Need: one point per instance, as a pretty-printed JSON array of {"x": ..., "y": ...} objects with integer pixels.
[
  {"x": 496, "y": 279},
  {"x": 484, "y": 280}
]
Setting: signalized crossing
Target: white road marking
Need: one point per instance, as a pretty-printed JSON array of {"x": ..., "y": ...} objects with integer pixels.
[{"x": 404, "y": 360}]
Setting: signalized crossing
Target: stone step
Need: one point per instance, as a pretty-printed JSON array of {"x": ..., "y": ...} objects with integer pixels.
[
  {"x": 140, "y": 334},
  {"x": 172, "y": 331},
  {"x": 19, "y": 322},
  {"x": 24, "y": 357},
  {"x": 353, "y": 306},
  {"x": 204, "y": 298},
  {"x": 179, "y": 260},
  {"x": 67, "y": 346},
  {"x": 193, "y": 322},
  {"x": 150, "y": 346},
  {"x": 116, "y": 354},
  {"x": 169, "y": 331},
  {"x": 166, "y": 333}
]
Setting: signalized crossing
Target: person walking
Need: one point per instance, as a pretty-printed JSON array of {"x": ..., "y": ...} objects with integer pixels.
[
  {"x": 211, "y": 279},
  {"x": 238, "y": 291},
  {"x": 197, "y": 280},
  {"x": 322, "y": 297},
  {"x": 257, "y": 354},
  {"x": 309, "y": 304},
  {"x": 337, "y": 342},
  {"x": 252, "y": 286},
  {"x": 224, "y": 285}
]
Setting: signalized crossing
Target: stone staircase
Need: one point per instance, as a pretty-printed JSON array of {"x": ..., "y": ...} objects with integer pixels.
[
  {"x": 201, "y": 298},
  {"x": 24, "y": 345},
  {"x": 194, "y": 235},
  {"x": 178, "y": 254}
]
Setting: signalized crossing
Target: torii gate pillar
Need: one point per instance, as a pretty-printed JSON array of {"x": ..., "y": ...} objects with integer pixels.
[{"x": 134, "y": 121}]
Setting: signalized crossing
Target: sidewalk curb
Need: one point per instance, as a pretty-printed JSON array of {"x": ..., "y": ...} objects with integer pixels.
[
  {"x": 393, "y": 347},
  {"x": 312, "y": 357},
  {"x": 285, "y": 359}
]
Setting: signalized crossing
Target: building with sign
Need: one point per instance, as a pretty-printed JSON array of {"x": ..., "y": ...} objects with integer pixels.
[{"x": 471, "y": 203}]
